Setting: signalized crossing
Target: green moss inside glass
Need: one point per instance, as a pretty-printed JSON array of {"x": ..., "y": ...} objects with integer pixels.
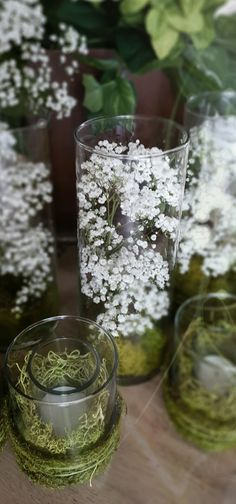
[
  {"x": 142, "y": 357},
  {"x": 194, "y": 281},
  {"x": 77, "y": 456},
  {"x": 205, "y": 416},
  {"x": 12, "y": 323}
]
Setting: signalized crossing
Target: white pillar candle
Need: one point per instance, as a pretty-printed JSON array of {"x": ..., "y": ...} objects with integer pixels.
[
  {"x": 61, "y": 411},
  {"x": 216, "y": 373}
]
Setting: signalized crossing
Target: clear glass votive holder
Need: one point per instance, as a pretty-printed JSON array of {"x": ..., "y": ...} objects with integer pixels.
[
  {"x": 200, "y": 385},
  {"x": 63, "y": 410}
]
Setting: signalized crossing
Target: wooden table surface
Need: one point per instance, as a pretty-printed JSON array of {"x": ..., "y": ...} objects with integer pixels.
[{"x": 153, "y": 464}]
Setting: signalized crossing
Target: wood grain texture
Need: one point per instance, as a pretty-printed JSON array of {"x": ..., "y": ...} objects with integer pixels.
[{"x": 153, "y": 464}]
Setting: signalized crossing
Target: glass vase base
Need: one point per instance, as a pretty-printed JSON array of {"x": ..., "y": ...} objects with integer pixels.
[
  {"x": 202, "y": 432},
  {"x": 140, "y": 360},
  {"x": 58, "y": 472}
]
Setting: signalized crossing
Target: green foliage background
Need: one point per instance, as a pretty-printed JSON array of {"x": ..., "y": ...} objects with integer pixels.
[{"x": 181, "y": 37}]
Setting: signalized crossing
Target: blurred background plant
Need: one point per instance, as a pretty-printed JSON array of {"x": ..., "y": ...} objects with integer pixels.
[
  {"x": 26, "y": 80},
  {"x": 185, "y": 39}
]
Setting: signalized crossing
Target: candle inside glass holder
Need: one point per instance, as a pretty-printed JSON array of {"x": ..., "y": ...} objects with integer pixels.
[
  {"x": 65, "y": 371},
  {"x": 216, "y": 373},
  {"x": 200, "y": 390},
  {"x": 64, "y": 410}
]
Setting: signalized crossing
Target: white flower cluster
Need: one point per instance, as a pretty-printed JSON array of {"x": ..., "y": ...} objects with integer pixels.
[
  {"x": 26, "y": 247},
  {"x": 24, "y": 63},
  {"x": 129, "y": 200},
  {"x": 209, "y": 226}
]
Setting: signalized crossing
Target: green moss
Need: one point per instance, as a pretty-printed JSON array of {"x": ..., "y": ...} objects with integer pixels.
[
  {"x": 36, "y": 309},
  {"x": 194, "y": 282},
  {"x": 51, "y": 371},
  {"x": 58, "y": 471},
  {"x": 204, "y": 417},
  {"x": 79, "y": 454},
  {"x": 141, "y": 357}
]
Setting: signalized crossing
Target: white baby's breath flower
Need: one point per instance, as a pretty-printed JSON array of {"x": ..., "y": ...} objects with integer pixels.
[
  {"x": 26, "y": 247},
  {"x": 25, "y": 66},
  {"x": 118, "y": 264},
  {"x": 209, "y": 226}
]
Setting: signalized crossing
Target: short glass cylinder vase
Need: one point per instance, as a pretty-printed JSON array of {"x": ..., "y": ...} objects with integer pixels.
[
  {"x": 207, "y": 252},
  {"x": 63, "y": 410},
  {"x": 130, "y": 184},
  {"x": 27, "y": 271},
  {"x": 200, "y": 387}
]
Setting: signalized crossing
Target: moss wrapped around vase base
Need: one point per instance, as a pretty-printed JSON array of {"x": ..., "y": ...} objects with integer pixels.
[
  {"x": 207, "y": 436},
  {"x": 141, "y": 358},
  {"x": 36, "y": 309},
  {"x": 203, "y": 416},
  {"x": 57, "y": 471}
]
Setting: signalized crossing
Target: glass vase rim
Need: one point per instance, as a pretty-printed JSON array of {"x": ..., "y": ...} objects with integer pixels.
[
  {"x": 200, "y": 297},
  {"x": 40, "y": 123},
  {"x": 54, "y": 391},
  {"x": 139, "y": 117},
  {"x": 197, "y": 96},
  {"x": 52, "y": 319}
]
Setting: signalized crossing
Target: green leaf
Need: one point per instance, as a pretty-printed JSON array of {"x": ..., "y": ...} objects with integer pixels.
[
  {"x": 163, "y": 36},
  {"x": 192, "y": 23},
  {"x": 161, "y": 4},
  {"x": 209, "y": 4},
  {"x": 204, "y": 38},
  {"x": 132, "y": 6},
  {"x": 119, "y": 97},
  {"x": 208, "y": 70},
  {"x": 98, "y": 21},
  {"x": 226, "y": 26},
  {"x": 135, "y": 48},
  {"x": 165, "y": 43},
  {"x": 83, "y": 16},
  {"x": 189, "y": 6},
  {"x": 100, "y": 64},
  {"x": 155, "y": 22},
  {"x": 93, "y": 99},
  {"x": 134, "y": 19}
]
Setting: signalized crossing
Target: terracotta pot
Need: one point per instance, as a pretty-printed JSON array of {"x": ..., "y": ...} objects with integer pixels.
[{"x": 155, "y": 97}]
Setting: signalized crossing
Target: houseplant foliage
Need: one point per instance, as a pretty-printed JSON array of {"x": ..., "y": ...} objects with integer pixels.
[{"x": 177, "y": 36}]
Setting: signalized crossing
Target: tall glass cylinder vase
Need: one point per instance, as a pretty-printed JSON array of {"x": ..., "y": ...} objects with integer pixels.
[
  {"x": 27, "y": 273},
  {"x": 207, "y": 254},
  {"x": 130, "y": 184}
]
